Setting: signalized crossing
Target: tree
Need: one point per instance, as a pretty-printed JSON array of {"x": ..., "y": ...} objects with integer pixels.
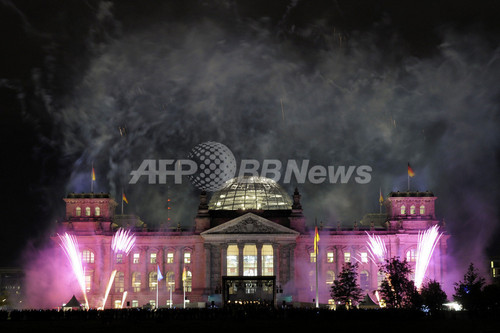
[
  {"x": 397, "y": 290},
  {"x": 469, "y": 291},
  {"x": 345, "y": 289},
  {"x": 433, "y": 295}
]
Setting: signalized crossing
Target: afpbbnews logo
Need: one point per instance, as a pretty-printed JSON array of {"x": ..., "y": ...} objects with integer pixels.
[{"x": 210, "y": 164}]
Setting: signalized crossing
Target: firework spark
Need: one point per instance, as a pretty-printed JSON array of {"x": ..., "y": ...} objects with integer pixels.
[
  {"x": 376, "y": 248},
  {"x": 123, "y": 299},
  {"x": 427, "y": 242},
  {"x": 70, "y": 246},
  {"x": 108, "y": 288},
  {"x": 123, "y": 241}
]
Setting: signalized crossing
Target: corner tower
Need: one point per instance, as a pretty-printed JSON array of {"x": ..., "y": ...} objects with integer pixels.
[
  {"x": 89, "y": 212},
  {"x": 411, "y": 210}
]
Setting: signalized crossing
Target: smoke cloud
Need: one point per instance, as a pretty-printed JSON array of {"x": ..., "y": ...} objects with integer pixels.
[{"x": 289, "y": 91}]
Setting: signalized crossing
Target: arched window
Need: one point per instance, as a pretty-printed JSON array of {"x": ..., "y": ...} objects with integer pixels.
[
  {"x": 187, "y": 257},
  {"x": 153, "y": 281},
  {"x": 87, "y": 211},
  {"x": 188, "y": 283},
  {"x": 422, "y": 210},
  {"x": 250, "y": 260},
  {"x": 364, "y": 280},
  {"x": 170, "y": 280},
  {"x": 98, "y": 211},
  {"x": 136, "y": 281},
  {"x": 232, "y": 260},
  {"x": 78, "y": 211},
  {"x": 330, "y": 277},
  {"x": 411, "y": 255},
  {"x": 119, "y": 282},
  {"x": 403, "y": 210},
  {"x": 267, "y": 260},
  {"x": 412, "y": 209},
  {"x": 88, "y": 256}
]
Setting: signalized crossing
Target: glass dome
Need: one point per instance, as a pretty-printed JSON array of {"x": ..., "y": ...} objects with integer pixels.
[{"x": 250, "y": 192}]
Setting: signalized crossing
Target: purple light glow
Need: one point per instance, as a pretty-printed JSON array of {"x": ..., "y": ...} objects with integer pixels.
[
  {"x": 123, "y": 240},
  {"x": 427, "y": 241},
  {"x": 70, "y": 246}
]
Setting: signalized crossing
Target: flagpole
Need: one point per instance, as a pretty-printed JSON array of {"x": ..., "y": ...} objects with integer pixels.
[
  {"x": 316, "y": 250},
  {"x": 157, "y": 287},
  {"x": 122, "y": 201},
  {"x": 408, "y": 182}
]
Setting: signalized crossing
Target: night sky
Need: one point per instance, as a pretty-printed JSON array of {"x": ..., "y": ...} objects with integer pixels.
[{"x": 379, "y": 83}]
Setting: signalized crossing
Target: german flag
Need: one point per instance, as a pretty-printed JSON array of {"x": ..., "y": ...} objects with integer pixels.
[
  {"x": 124, "y": 198},
  {"x": 381, "y": 198},
  {"x": 410, "y": 171},
  {"x": 316, "y": 240},
  {"x": 93, "y": 174}
]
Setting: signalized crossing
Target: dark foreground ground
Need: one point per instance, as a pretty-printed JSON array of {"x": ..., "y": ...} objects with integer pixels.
[{"x": 247, "y": 320}]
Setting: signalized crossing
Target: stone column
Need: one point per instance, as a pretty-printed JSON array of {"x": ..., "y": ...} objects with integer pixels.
[
  {"x": 291, "y": 263},
  {"x": 223, "y": 259},
  {"x": 276, "y": 261},
  {"x": 240, "y": 258},
  {"x": 208, "y": 268},
  {"x": 259, "y": 259}
]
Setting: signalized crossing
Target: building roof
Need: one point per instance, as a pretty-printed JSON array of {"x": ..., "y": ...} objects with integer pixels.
[
  {"x": 411, "y": 194},
  {"x": 88, "y": 195},
  {"x": 250, "y": 193}
]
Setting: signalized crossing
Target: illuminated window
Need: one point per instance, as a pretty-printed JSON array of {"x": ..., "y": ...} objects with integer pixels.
[
  {"x": 135, "y": 303},
  {"x": 189, "y": 281},
  {"x": 364, "y": 280},
  {"x": 170, "y": 280},
  {"x": 97, "y": 211},
  {"x": 152, "y": 302},
  {"x": 88, "y": 280},
  {"x": 119, "y": 258},
  {"x": 422, "y": 210},
  {"x": 170, "y": 258},
  {"x": 403, "y": 210},
  {"x": 364, "y": 257},
  {"x": 347, "y": 256},
  {"x": 267, "y": 260},
  {"x": 312, "y": 257},
  {"x": 411, "y": 255},
  {"x": 412, "y": 210},
  {"x": 118, "y": 304},
  {"x": 232, "y": 260},
  {"x": 152, "y": 258},
  {"x": 135, "y": 258},
  {"x": 78, "y": 211},
  {"x": 153, "y": 281},
  {"x": 136, "y": 281},
  {"x": 88, "y": 257},
  {"x": 187, "y": 257},
  {"x": 380, "y": 278},
  {"x": 250, "y": 260},
  {"x": 87, "y": 211},
  {"x": 330, "y": 257},
  {"x": 330, "y": 277},
  {"x": 119, "y": 282}
]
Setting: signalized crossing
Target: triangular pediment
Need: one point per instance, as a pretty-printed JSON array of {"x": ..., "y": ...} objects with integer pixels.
[{"x": 250, "y": 224}]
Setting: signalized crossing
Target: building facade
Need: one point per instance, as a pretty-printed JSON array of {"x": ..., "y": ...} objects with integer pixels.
[{"x": 250, "y": 243}]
